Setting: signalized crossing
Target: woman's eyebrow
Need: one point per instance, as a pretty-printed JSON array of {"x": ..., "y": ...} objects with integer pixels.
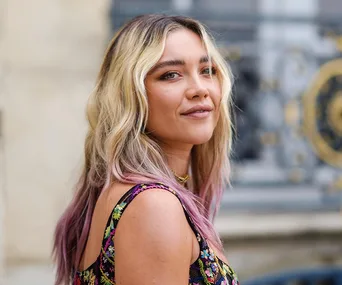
[
  {"x": 175, "y": 62},
  {"x": 204, "y": 59}
]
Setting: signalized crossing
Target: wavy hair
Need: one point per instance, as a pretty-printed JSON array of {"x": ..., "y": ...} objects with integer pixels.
[{"x": 117, "y": 148}]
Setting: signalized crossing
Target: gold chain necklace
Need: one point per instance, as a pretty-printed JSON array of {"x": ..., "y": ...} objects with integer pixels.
[{"x": 181, "y": 179}]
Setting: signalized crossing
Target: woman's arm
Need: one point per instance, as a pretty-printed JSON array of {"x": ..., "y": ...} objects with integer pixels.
[{"x": 153, "y": 241}]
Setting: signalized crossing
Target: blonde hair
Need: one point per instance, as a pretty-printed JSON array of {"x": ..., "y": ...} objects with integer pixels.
[{"x": 117, "y": 147}]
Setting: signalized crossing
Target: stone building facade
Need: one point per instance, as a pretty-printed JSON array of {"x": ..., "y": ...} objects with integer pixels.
[{"x": 50, "y": 53}]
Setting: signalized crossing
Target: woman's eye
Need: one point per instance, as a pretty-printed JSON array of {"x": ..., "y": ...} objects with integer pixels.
[
  {"x": 169, "y": 75},
  {"x": 209, "y": 70}
]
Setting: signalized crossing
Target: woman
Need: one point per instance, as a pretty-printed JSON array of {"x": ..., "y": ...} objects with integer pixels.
[{"x": 156, "y": 158}]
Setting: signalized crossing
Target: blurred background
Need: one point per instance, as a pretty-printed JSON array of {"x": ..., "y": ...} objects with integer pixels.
[{"x": 284, "y": 211}]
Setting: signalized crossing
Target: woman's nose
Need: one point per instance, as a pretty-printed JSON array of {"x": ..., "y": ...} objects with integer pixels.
[{"x": 196, "y": 90}]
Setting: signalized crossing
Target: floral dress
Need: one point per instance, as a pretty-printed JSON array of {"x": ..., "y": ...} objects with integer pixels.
[{"x": 208, "y": 269}]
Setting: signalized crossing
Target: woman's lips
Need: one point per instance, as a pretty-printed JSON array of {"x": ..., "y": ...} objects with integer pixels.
[{"x": 198, "y": 114}]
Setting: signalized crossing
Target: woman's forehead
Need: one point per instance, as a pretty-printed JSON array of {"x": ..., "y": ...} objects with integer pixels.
[{"x": 183, "y": 44}]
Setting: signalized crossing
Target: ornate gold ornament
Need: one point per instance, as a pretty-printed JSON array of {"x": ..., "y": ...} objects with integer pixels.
[{"x": 323, "y": 113}]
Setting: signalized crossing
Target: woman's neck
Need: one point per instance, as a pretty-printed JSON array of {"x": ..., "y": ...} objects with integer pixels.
[{"x": 178, "y": 160}]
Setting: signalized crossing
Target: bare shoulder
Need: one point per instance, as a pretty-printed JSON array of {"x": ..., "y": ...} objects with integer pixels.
[
  {"x": 157, "y": 212},
  {"x": 156, "y": 201},
  {"x": 153, "y": 237}
]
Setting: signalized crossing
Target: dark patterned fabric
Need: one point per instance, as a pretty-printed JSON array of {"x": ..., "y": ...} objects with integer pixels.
[{"x": 208, "y": 269}]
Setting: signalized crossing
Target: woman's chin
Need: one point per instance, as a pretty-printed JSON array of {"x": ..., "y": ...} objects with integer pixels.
[{"x": 198, "y": 139}]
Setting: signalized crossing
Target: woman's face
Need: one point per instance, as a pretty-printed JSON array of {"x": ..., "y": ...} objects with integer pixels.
[{"x": 183, "y": 98}]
